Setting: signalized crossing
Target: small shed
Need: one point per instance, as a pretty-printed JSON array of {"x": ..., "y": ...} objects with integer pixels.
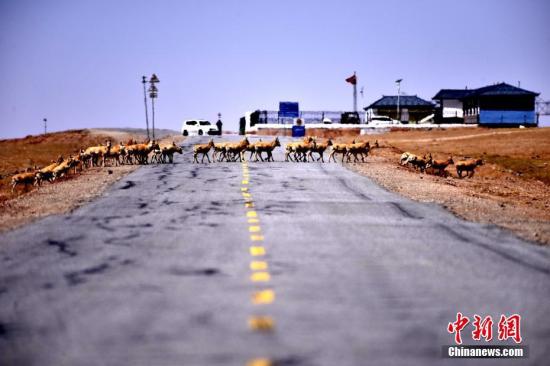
[{"x": 411, "y": 107}]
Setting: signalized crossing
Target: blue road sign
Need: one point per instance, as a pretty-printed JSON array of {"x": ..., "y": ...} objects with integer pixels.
[
  {"x": 289, "y": 109},
  {"x": 298, "y": 131}
]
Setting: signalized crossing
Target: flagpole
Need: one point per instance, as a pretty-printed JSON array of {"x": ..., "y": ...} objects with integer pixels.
[{"x": 355, "y": 93}]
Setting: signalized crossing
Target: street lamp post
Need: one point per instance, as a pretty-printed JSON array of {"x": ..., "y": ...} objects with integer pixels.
[
  {"x": 398, "y": 82},
  {"x": 144, "y": 81},
  {"x": 153, "y": 93},
  {"x": 45, "y": 125}
]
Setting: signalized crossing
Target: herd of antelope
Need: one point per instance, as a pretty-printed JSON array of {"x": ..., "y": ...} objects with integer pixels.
[
  {"x": 298, "y": 151},
  {"x": 308, "y": 149},
  {"x": 438, "y": 167},
  {"x": 304, "y": 150},
  {"x": 95, "y": 156}
]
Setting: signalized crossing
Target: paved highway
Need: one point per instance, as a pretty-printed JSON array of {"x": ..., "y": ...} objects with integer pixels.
[{"x": 236, "y": 264}]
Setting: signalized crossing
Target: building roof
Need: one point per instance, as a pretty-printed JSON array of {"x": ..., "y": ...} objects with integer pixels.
[
  {"x": 388, "y": 101},
  {"x": 490, "y": 90},
  {"x": 502, "y": 89},
  {"x": 452, "y": 93}
]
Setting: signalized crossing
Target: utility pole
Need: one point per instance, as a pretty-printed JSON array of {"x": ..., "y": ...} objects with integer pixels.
[
  {"x": 153, "y": 114},
  {"x": 398, "y": 81},
  {"x": 153, "y": 93},
  {"x": 45, "y": 125},
  {"x": 144, "y": 81}
]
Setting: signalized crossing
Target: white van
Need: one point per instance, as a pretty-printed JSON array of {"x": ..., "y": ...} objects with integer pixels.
[
  {"x": 382, "y": 120},
  {"x": 199, "y": 127}
]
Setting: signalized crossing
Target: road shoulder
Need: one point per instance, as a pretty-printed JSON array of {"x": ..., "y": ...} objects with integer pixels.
[
  {"x": 61, "y": 197},
  {"x": 469, "y": 199}
]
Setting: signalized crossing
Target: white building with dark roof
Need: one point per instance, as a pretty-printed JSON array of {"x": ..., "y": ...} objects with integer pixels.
[
  {"x": 450, "y": 108},
  {"x": 494, "y": 105},
  {"x": 411, "y": 108}
]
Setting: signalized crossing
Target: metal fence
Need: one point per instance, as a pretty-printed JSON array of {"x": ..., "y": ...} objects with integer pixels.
[{"x": 307, "y": 117}]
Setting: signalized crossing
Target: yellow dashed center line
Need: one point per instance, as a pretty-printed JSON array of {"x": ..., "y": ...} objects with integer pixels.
[
  {"x": 252, "y": 217},
  {"x": 263, "y": 297},
  {"x": 259, "y": 268},
  {"x": 257, "y": 251},
  {"x": 258, "y": 265},
  {"x": 260, "y": 362},
  {"x": 256, "y": 237},
  {"x": 260, "y": 277},
  {"x": 254, "y": 229},
  {"x": 262, "y": 323}
]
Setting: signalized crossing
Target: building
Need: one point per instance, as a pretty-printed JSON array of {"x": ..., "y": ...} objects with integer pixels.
[
  {"x": 411, "y": 108},
  {"x": 500, "y": 105},
  {"x": 264, "y": 119},
  {"x": 449, "y": 105},
  {"x": 494, "y": 105}
]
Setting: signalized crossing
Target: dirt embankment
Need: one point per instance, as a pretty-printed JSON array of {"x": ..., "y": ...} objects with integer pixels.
[{"x": 16, "y": 155}]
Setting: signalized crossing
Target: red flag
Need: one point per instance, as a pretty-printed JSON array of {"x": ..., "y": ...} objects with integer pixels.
[{"x": 352, "y": 79}]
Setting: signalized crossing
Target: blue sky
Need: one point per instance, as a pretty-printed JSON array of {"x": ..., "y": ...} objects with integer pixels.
[{"x": 79, "y": 63}]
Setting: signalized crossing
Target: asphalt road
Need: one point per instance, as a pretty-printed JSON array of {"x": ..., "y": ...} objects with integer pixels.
[{"x": 225, "y": 263}]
